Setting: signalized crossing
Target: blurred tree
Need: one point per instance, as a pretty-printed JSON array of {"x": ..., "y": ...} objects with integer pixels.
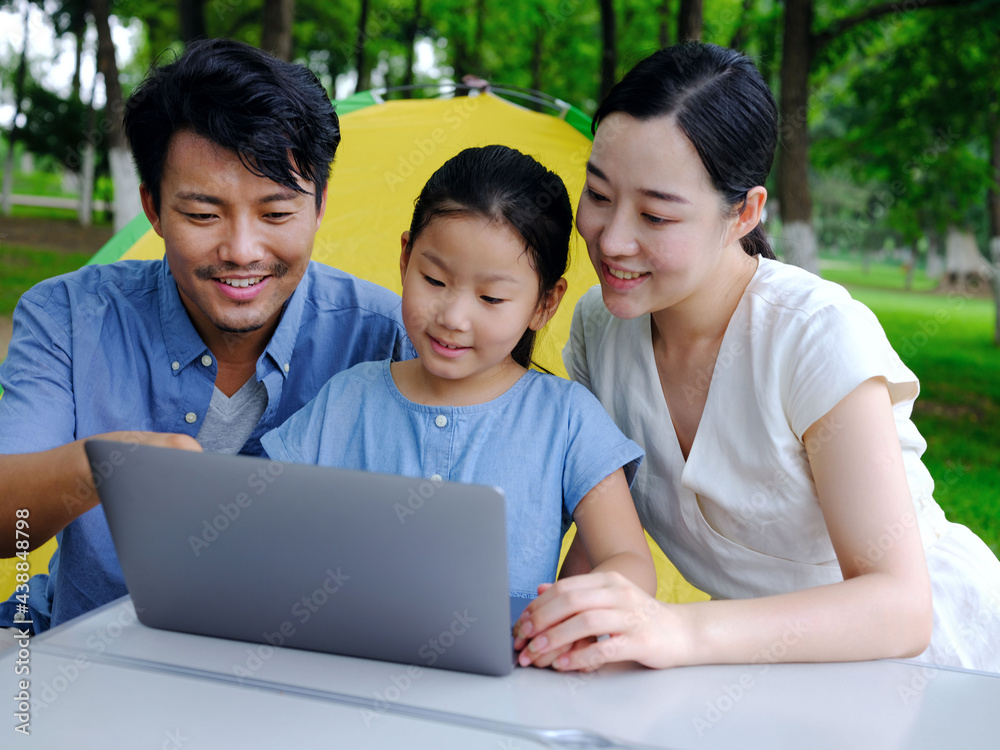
[
  {"x": 279, "y": 17},
  {"x": 192, "y": 20},
  {"x": 20, "y": 77}
]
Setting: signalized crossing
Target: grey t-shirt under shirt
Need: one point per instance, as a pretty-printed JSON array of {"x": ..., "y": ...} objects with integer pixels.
[{"x": 231, "y": 420}]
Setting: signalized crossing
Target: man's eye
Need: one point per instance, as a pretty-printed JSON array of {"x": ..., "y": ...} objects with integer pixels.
[
  {"x": 433, "y": 281},
  {"x": 200, "y": 217},
  {"x": 278, "y": 215}
]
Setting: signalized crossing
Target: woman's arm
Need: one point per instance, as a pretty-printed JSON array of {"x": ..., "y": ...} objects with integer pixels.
[{"x": 882, "y": 609}]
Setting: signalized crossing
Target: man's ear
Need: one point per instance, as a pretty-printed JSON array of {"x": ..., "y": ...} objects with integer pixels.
[
  {"x": 548, "y": 305},
  {"x": 322, "y": 209},
  {"x": 150, "y": 210},
  {"x": 404, "y": 255}
]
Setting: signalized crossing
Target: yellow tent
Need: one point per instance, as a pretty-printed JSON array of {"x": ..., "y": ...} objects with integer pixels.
[{"x": 389, "y": 150}]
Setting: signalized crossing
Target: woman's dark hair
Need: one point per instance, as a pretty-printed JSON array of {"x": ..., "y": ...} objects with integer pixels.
[
  {"x": 721, "y": 103},
  {"x": 246, "y": 101},
  {"x": 510, "y": 188}
]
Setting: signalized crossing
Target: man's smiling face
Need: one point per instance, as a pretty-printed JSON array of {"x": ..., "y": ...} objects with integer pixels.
[{"x": 237, "y": 244}]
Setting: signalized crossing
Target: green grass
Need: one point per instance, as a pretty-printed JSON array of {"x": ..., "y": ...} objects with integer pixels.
[
  {"x": 23, "y": 267},
  {"x": 947, "y": 340}
]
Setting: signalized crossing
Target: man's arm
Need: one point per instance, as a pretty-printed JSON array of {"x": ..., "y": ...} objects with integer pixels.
[{"x": 56, "y": 486}]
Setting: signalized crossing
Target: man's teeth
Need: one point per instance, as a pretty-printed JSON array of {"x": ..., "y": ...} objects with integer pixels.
[
  {"x": 625, "y": 275},
  {"x": 242, "y": 283}
]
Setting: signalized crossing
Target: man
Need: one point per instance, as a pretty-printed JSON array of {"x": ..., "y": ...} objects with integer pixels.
[{"x": 219, "y": 342}]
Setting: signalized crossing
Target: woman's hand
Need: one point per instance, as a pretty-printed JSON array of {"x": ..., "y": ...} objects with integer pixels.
[{"x": 562, "y": 626}]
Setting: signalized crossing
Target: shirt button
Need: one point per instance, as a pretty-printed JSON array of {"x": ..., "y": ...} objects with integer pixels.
[
  {"x": 441, "y": 420},
  {"x": 175, "y": 366},
  {"x": 286, "y": 367},
  {"x": 436, "y": 478},
  {"x": 190, "y": 417},
  {"x": 206, "y": 360}
]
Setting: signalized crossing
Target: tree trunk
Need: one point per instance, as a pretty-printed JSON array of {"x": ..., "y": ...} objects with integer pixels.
[
  {"x": 22, "y": 69},
  {"x": 537, "y": 56},
  {"x": 279, "y": 16},
  {"x": 192, "y": 13},
  {"x": 799, "y": 240},
  {"x": 994, "y": 211},
  {"x": 663, "y": 13},
  {"x": 85, "y": 212},
  {"x": 126, "y": 201},
  {"x": 689, "y": 21},
  {"x": 609, "y": 49},
  {"x": 411, "y": 47},
  {"x": 360, "y": 62}
]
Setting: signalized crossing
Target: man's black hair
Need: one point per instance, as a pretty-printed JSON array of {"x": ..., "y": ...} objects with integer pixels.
[{"x": 242, "y": 99}]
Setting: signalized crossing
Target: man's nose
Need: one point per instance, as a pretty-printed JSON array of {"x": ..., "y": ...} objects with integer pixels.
[{"x": 242, "y": 245}]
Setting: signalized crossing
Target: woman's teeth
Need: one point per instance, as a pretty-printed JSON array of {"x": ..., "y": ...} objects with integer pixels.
[{"x": 624, "y": 275}]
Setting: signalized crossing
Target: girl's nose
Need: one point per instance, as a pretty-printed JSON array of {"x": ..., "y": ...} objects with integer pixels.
[{"x": 453, "y": 313}]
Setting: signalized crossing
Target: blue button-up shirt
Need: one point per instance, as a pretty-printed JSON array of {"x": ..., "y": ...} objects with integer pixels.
[{"x": 111, "y": 347}]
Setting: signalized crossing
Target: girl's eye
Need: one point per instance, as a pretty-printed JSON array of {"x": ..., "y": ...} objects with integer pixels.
[
  {"x": 491, "y": 300},
  {"x": 433, "y": 282},
  {"x": 597, "y": 197}
]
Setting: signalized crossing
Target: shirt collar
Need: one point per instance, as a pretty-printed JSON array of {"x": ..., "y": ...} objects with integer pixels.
[
  {"x": 282, "y": 342},
  {"x": 182, "y": 340}
]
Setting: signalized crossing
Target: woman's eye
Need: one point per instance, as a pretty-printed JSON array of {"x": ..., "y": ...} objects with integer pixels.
[
  {"x": 657, "y": 220},
  {"x": 491, "y": 300},
  {"x": 595, "y": 196},
  {"x": 433, "y": 281}
]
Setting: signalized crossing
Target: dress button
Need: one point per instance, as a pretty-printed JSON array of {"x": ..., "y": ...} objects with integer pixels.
[
  {"x": 206, "y": 360},
  {"x": 190, "y": 417},
  {"x": 441, "y": 420},
  {"x": 436, "y": 478},
  {"x": 175, "y": 366}
]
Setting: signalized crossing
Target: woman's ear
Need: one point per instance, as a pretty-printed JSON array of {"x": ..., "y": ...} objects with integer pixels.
[
  {"x": 548, "y": 305},
  {"x": 749, "y": 217},
  {"x": 404, "y": 255}
]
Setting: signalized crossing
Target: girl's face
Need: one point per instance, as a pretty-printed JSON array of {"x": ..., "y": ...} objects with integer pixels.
[
  {"x": 469, "y": 294},
  {"x": 655, "y": 227}
]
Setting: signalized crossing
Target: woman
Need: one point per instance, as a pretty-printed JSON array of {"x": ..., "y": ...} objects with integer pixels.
[{"x": 783, "y": 473}]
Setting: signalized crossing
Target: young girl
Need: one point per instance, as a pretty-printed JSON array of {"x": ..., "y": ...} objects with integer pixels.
[
  {"x": 482, "y": 269},
  {"x": 782, "y": 472}
]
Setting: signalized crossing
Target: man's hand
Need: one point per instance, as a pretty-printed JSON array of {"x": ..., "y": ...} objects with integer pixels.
[{"x": 56, "y": 486}]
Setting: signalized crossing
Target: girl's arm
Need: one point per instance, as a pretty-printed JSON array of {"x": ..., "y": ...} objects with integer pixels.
[
  {"x": 609, "y": 540},
  {"x": 611, "y": 535},
  {"x": 882, "y": 609}
]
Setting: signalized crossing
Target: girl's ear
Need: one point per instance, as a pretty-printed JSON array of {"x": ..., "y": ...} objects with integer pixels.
[
  {"x": 404, "y": 255},
  {"x": 548, "y": 305}
]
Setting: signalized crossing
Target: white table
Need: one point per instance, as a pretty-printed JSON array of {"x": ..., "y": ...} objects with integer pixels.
[{"x": 106, "y": 681}]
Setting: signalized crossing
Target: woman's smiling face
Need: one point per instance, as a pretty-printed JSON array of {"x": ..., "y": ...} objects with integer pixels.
[{"x": 655, "y": 227}]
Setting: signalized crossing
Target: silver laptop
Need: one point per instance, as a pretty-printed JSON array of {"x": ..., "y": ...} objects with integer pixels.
[{"x": 345, "y": 562}]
